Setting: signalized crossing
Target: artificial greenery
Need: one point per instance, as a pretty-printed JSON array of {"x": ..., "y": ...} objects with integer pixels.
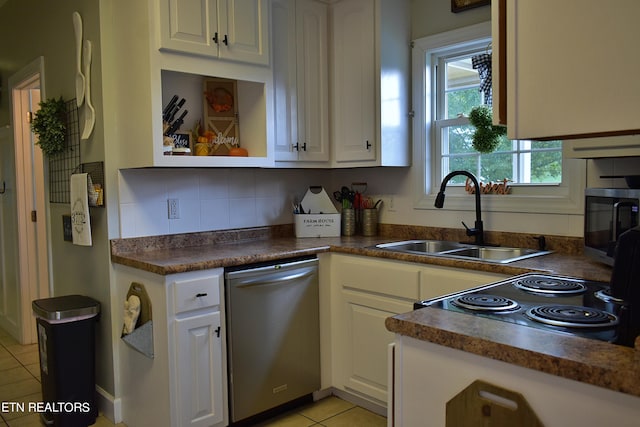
[
  {"x": 50, "y": 124},
  {"x": 486, "y": 138}
]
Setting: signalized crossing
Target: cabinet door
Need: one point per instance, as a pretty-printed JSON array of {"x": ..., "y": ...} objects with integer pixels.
[
  {"x": 573, "y": 78},
  {"x": 312, "y": 81},
  {"x": 189, "y": 26},
  {"x": 369, "y": 290},
  {"x": 366, "y": 342},
  {"x": 244, "y": 26},
  {"x": 283, "y": 38},
  {"x": 354, "y": 70},
  {"x": 199, "y": 370},
  {"x": 300, "y": 69}
]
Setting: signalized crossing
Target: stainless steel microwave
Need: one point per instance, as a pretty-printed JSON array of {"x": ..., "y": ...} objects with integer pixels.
[{"x": 609, "y": 212}]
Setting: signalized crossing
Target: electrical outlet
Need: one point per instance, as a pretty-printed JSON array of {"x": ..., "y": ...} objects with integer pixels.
[{"x": 173, "y": 208}]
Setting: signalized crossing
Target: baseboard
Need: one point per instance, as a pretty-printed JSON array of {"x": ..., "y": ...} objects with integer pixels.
[
  {"x": 108, "y": 406},
  {"x": 349, "y": 397}
]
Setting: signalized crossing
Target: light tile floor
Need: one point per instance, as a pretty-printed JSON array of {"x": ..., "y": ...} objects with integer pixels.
[
  {"x": 329, "y": 412},
  {"x": 20, "y": 382}
]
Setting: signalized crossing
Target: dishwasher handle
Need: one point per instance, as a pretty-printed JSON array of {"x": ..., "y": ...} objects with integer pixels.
[{"x": 272, "y": 279}]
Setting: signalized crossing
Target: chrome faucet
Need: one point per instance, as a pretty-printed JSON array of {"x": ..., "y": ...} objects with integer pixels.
[{"x": 478, "y": 230}]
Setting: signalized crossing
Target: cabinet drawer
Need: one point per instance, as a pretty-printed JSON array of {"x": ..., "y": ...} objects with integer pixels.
[
  {"x": 195, "y": 294},
  {"x": 386, "y": 278}
]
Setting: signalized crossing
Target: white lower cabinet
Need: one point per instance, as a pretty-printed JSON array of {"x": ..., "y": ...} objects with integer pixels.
[
  {"x": 185, "y": 382},
  {"x": 365, "y": 291},
  {"x": 428, "y": 375},
  {"x": 198, "y": 359}
]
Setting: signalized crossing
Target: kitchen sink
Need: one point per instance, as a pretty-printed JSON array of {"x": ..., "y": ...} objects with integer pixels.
[
  {"x": 422, "y": 246},
  {"x": 447, "y": 249}
]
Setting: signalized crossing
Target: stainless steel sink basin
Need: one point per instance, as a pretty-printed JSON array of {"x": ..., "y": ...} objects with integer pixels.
[
  {"x": 447, "y": 249},
  {"x": 422, "y": 246},
  {"x": 496, "y": 254}
]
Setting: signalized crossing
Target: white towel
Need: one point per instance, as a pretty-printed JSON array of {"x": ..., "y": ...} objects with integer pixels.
[{"x": 80, "y": 223}]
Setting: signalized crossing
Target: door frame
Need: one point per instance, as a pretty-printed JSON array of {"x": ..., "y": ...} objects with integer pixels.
[{"x": 27, "y": 88}]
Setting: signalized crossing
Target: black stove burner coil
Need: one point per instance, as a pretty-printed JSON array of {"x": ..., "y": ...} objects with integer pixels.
[
  {"x": 549, "y": 285},
  {"x": 571, "y": 316},
  {"x": 485, "y": 303}
]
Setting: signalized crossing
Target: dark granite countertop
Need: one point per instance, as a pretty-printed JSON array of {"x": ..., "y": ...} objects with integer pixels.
[
  {"x": 180, "y": 253},
  {"x": 589, "y": 361}
]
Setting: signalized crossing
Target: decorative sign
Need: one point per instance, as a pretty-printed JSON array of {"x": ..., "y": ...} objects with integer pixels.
[
  {"x": 181, "y": 139},
  {"x": 500, "y": 187},
  {"x": 221, "y": 110}
]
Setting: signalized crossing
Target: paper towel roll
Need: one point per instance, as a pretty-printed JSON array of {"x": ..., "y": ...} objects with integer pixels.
[{"x": 80, "y": 222}]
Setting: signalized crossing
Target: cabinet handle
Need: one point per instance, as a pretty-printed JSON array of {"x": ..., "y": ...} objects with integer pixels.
[
  {"x": 215, "y": 37},
  {"x": 368, "y": 145},
  {"x": 218, "y": 331},
  {"x": 225, "y": 40},
  {"x": 201, "y": 295},
  {"x": 297, "y": 146}
]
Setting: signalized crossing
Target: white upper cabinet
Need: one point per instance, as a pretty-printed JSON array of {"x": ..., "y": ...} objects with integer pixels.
[
  {"x": 159, "y": 67},
  {"x": 370, "y": 83},
  {"x": 569, "y": 68},
  {"x": 301, "y": 80},
  {"x": 354, "y": 80},
  {"x": 228, "y": 29}
]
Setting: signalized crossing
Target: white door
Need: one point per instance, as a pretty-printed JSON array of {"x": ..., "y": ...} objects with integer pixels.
[{"x": 31, "y": 280}]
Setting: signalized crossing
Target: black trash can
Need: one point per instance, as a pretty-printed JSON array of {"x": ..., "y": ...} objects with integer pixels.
[{"x": 66, "y": 342}]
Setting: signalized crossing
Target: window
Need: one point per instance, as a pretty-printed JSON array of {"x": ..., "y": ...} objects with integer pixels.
[
  {"x": 457, "y": 86},
  {"x": 445, "y": 89}
]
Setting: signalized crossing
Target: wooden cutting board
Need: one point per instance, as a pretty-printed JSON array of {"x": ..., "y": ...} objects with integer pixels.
[{"x": 486, "y": 405}]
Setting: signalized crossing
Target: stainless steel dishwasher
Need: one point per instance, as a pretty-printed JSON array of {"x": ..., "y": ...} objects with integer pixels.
[{"x": 273, "y": 335}]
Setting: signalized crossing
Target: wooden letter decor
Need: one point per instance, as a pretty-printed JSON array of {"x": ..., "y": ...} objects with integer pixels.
[{"x": 499, "y": 187}]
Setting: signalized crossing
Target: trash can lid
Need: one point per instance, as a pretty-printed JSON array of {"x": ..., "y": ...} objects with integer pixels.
[{"x": 65, "y": 307}]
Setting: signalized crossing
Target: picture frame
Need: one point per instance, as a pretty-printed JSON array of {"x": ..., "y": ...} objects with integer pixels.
[{"x": 462, "y": 5}]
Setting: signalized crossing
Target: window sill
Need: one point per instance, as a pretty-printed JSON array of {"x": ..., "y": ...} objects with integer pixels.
[{"x": 572, "y": 203}]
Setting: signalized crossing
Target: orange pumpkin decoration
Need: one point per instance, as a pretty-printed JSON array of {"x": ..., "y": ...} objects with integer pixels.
[{"x": 238, "y": 152}]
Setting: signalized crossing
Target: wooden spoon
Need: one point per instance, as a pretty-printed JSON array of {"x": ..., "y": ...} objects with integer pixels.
[
  {"x": 89, "y": 111},
  {"x": 77, "y": 27}
]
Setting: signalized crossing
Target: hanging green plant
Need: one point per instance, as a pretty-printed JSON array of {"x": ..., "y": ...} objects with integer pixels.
[
  {"x": 486, "y": 138},
  {"x": 50, "y": 125}
]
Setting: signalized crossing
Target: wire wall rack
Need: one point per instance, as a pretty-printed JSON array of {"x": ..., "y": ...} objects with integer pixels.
[{"x": 63, "y": 164}]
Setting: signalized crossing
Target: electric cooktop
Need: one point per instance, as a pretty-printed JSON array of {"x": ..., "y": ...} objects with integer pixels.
[{"x": 555, "y": 303}]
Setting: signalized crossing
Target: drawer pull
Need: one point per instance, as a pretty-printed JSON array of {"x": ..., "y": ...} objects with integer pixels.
[{"x": 201, "y": 295}]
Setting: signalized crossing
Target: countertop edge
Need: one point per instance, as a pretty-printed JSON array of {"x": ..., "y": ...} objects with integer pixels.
[{"x": 597, "y": 363}]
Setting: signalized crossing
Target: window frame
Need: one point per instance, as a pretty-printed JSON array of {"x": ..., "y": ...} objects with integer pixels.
[{"x": 566, "y": 197}]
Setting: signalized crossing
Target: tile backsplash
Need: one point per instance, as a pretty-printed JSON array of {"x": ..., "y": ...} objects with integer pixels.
[{"x": 209, "y": 199}]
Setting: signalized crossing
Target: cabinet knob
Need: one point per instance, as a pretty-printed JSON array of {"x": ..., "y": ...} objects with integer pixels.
[{"x": 368, "y": 145}]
